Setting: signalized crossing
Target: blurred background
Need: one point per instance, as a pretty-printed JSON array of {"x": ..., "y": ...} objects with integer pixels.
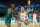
[
  {"x": 34, "y": 6},
  {"x": 30, "y": 5}
]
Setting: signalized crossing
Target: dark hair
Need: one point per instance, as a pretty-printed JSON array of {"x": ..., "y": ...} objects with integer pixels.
[{"x": 24, "y": 7}]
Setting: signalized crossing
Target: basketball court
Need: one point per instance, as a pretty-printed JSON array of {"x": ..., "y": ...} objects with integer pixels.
[{"x": 15, "y": 25}]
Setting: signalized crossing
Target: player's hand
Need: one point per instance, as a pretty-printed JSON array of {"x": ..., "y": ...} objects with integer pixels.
[
  {"x": 16, "y": 8},
  {"x": 24, "y": 21}
]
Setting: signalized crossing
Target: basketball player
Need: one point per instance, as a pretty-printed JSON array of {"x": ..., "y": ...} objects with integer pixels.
[
  {"x": 35, "y": 18},
  {"x": 9, "y": 15},
  {"x": 8, "y": 18},
  {"x": 21, "y": 17}
]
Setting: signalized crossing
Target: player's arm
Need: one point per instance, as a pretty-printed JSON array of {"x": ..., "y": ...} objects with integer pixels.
[
  {"x": 15, "y": 9},
  {"x": 19, "y": 16},
  {"x": 37, "y": 15},
  {"x": 27, "y": 15}
]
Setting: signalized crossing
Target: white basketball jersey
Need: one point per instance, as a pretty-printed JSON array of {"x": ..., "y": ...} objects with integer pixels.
[
  {"x": 22, "y": 16},
  {"x": 34, "y": 16}
]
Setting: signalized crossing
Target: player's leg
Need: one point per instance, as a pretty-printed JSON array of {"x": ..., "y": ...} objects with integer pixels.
[
  {"x": 8, "y": 25},
  {"x": 36, "y": 21},
  {"x": 23, "y": 24},
  {"x": 33, "y": 22},
  {"x": 7, "y": 22},
  {"x": 19, "y": 24}
]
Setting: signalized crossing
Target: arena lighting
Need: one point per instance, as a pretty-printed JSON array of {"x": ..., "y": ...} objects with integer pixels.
[
  {"x": 3, "y": 6},
  {"x": 19, "y": 6},
  {"x": 37, "y": 4}
]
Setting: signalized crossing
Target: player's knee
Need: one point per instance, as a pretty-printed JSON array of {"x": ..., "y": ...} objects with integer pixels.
[{"x": 19, "y": 23}]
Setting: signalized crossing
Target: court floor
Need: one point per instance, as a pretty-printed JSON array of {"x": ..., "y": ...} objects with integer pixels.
[{"x": 15, "y": 25}]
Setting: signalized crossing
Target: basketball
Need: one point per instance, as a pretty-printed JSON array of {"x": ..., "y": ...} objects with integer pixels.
[{"x": 27, "y": 22}]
